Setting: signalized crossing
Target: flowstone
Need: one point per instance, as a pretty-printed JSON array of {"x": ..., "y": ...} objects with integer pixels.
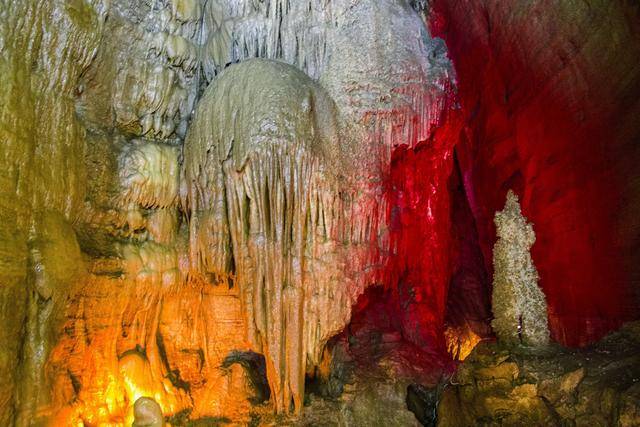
[
  {"x": 287, "y": 222},
  {"x": 519, "y": 305}
]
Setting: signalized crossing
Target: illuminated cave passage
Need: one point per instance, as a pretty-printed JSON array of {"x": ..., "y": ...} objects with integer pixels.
[{"x": 319, "y": 212}]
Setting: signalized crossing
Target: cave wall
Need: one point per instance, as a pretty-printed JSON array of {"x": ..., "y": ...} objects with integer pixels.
[
  {"x": 468, "y": 307},
  {"x": 386, "y": 92},
  {"x": 116, "y": 279},
  {"x": 45, "y": 47},
  {"x": 99, "y": 100},
  {"x": 550, "y": 94}
]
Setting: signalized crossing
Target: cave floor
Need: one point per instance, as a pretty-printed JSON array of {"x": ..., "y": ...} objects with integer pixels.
[
  {"x": 371, "y": 372},
  {"x": 555, "y": 386},
  {"x": 495, "y": 386}
]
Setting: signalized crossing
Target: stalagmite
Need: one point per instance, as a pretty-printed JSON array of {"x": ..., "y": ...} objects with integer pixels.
[
  {"x": 519, "y": 305},
  {"x": 147, "y": 413},
  {"x": 208, "y": 205}
]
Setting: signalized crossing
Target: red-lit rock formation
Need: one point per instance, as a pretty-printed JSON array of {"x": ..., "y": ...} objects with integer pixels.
[{"x": 550, "y": 92}]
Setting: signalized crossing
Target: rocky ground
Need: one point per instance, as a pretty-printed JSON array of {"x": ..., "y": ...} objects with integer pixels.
[
  {"x": 378, "y": 379},
  {"x": 554, "y": 386},
  {"x": 372, "y": 373},
  {"x": 495, "y": 386}
]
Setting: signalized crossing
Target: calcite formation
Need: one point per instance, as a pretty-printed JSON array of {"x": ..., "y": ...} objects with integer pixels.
[
  {"x": 269, "y": 197},
  {"x": 260, "y": 239},
  {"x": 144, "y": 79},
  {"x": 149, "y": 253},
  {"x": 149, "y": 174},
  {"x": 147, "y": 413},
  {"x": 518, "y": 304},
  {"x": 46, "y": 46},
  {"x": 393, "y": 94}
]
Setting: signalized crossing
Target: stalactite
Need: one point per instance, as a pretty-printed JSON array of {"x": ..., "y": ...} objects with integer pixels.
[
  {"x": 287, "y": 196},
  {"x": 144, "y": 80},
  {"x": 396, "y": 99},
  {"x": 285, "y": 200}
]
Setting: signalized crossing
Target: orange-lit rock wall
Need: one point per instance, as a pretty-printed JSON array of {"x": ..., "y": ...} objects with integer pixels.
[
  {"x": 284, "y": 214},
  {"x": 124, "y": 339},
  {"x": 45, "y": 47}
]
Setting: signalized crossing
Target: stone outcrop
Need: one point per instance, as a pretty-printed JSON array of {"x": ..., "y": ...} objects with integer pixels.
[
  {"x": 145, "y": 79},
  {"x": 523, "y": 386}
]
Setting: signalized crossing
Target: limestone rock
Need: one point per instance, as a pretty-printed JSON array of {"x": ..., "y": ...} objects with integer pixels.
[
  {"x": 551, "y": 386},
  {"x": 46, "y": 47},
  {"x": 149, "y": 174},
  {"x": 563, "y": 386},
  {"x": 144, "y": 78},
  {"x": 629, "y": 414},
  {"x": 269, "y": 201}
]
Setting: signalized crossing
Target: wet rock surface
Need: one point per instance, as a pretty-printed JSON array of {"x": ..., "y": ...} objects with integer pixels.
[
  {"x": 97, "y": 98},
  {"x": 544, "y": 86},
  {"x": 547, "y": 386}
]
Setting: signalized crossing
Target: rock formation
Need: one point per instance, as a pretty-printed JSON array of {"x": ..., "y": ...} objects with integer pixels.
[
  {"x": 46, "y": 47},
  {"x": 147, "y": 413},
  {"x": 543, "y": 86},
  {"x": 316, "y": 213},
  {"x": 551, "y": 386},
  {"x": 269, "y": 196},
  {"x": 149, "y": 252},
  {"x": 518, "y": 304}
]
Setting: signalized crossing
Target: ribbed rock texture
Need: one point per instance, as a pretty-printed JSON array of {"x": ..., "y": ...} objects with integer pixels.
[
  {"x": 46, "y": 46},
  {"x": 270, "y": 205},
  {"x": 285, "y": 190}
]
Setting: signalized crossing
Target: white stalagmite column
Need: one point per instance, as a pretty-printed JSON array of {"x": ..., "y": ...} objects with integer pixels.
[{"x": 519, "y": 305}]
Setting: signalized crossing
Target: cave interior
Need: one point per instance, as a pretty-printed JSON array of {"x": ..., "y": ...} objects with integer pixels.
[{"x": 319, "y": 212}]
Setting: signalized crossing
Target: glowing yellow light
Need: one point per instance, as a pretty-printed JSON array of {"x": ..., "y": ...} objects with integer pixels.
[{"x": 460, "y": 341}]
